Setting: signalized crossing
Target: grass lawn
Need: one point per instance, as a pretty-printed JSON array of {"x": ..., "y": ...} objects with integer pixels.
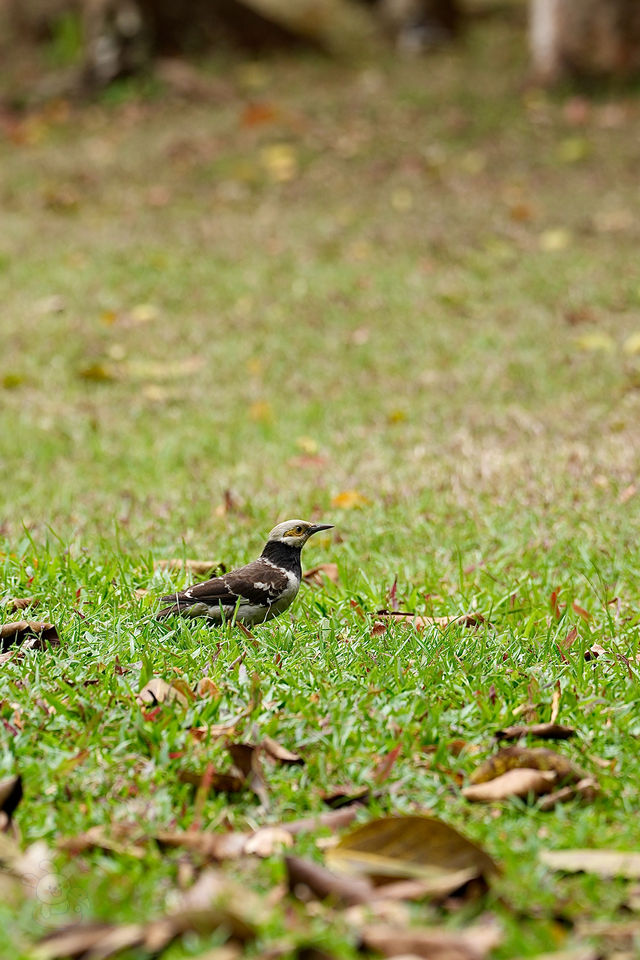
[{"x": 414, "y": 281}]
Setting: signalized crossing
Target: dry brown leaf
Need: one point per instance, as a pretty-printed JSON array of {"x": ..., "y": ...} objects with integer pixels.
[
  {"x": 534, "y": 758},
  {"x": 582, "y": 790},
  {"x": 207, "y": 688},
  {"x": 277, "y": 752},
  {"x": 214, "y": 780},
  {"x": 322, "y": 571},
  {"x": 199, "y": 568},
  {"x": 29, "y": 634},
  {"x": 268, "y": 840},
  {"x": 97, "y": 838},
  {"x": 412, "y": 847},
  {"x": 432, "y": 943},
  {"x": 332, "y": 819},
  {"x": 246, "y": 758},
  {"x": 158, "y": 691},
  {"x": 235, "y": 844},
  {"x": 514, "y": 783},
  {"x": 346, "y": 794},
  {"x": 604, "y": 863},
  {"x": 545, "y": 731},
  {"x": 14, "y": 604},
  {"x": 308, "y": 880},
  {"x": 594, "y": 651}
]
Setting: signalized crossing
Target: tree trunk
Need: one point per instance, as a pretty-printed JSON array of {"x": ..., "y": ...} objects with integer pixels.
[{"x": 584, "y": 38}]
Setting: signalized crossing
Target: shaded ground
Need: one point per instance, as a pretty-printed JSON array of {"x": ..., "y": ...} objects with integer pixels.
[{"x": 412, "y": 281}]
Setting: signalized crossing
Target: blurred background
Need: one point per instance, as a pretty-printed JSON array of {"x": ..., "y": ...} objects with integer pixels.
[{"x": 263, "y": 258}]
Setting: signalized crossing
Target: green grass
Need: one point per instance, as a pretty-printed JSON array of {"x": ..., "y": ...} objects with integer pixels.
[{"x": 395, "y": 308}]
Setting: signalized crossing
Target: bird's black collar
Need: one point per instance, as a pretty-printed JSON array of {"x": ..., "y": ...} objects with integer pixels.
[{"x": 283, "y": 555}]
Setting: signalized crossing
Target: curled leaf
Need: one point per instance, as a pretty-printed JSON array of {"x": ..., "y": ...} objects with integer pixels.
[
  {"x": 158, "y": 691},
  {"x": 514, "y": 783},
  {"x": 545, "y": 731},
  {"x": 534, "y": 758},
  {"x": 412, "y": 847}
]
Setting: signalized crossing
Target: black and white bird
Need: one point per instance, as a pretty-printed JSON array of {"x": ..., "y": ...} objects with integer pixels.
[{"x": 257, "y": 592}]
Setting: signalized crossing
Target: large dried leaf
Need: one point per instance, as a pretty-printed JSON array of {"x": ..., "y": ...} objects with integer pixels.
[
  {"x": 544, "y": 731},
  {"x": 604, "y": 863},
  {"x": 433, "y": 943},
  {"x": 534, "y": 758},
  {"x": 514, "y": 783},
  {"x": 158, "y": 691},
  {"x": 412, "y": 847},
  {"x": 30, "y": 634}
]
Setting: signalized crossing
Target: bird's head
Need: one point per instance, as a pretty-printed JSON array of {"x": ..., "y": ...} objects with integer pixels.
[{"x": 295, "y": 533}]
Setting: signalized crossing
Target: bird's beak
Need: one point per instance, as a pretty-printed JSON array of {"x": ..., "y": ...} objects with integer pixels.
[{"x": 317, "y": 527}]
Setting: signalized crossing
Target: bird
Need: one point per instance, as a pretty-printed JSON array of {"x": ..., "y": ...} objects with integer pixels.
[{"x": 255, "y": 593}]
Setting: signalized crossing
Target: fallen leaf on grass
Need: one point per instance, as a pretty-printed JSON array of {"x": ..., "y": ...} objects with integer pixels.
[
  {"x": 594, "y": 651},
  {"x": 515, "y": 783},
  {"x": 212, "y": 903},
  {"x": 412, "y": 847},
  {"x": 276, "y": 751},
  {"x": 582, "y": 790},
  {"x": 97, "y": 838},
  {"x": 432, "y": 943},
  {"x": 545, "y": 731},
  {"x": 317, "y": 575},
  {"x": 30, "y": 634},
  {"x": 214, "y": 780},
  {"x": 307, "y": 879},
  {"x": 158, "y": 691},
  {"x": 261, "y": 842},
  {"x": 14, "y": 604},
  {"x": 342, "y": 796},
  {"x": 534, "y": 758},
  {"x": 246, "y": 758},
  {"x": 604, "y": 863},
  {"x": 198, "y": 568}
]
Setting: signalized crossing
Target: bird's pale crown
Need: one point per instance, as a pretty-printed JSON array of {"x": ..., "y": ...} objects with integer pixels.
[{"x": 296, "y": 532}]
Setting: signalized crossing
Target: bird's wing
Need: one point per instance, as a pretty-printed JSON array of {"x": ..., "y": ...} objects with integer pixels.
[{"x": 257, "y": 583}]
